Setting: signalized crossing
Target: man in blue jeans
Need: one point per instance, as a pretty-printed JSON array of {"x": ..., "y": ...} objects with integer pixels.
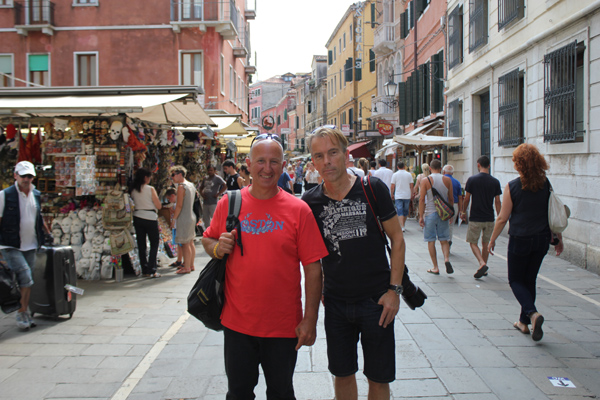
[{"x": 21, "y": 233}]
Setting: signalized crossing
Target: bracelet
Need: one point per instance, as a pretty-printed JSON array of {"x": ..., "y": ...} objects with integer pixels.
[{"x": 215, "y": 251}]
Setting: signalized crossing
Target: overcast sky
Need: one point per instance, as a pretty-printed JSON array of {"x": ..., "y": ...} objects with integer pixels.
[{"x": 285, "y": 35}]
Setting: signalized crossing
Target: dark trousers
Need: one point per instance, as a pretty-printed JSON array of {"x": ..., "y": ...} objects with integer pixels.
[
  {"x": 243, "y": 354},
  {"x": 525, "y": 256},
  {"x": 147, "y": 228}
]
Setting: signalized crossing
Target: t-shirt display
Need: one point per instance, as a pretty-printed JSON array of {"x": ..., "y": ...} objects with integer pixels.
[
  {"x": 263, "y": 297},
  {"x": 357, "y": 266}
]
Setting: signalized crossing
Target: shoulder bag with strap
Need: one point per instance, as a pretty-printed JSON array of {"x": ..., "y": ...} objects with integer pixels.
[
  {"x": 206, "y": 298},
  {"x": 558, "y": 213},
  {"x": 443, "y": 208},
  {"x": 413, "y": 295}
]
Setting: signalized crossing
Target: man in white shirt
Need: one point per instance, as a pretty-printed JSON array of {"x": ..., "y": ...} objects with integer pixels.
[
  {"x": 21, "y": 233},
  {"x": 384, "y": 173},
  {"x": 402, "y": 192},
  {"x": 351, "y": 169}
]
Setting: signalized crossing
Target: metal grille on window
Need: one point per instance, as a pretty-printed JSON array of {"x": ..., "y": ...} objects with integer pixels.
[
  {"x": 478, "y": 21},
  {"x": 560, "y": 82},
  {"x": 455, "y": 37},
  {"x": 454, "y": 119},
  {"x": 509, "y": 110},
  {"x": 509, "y": 11}
]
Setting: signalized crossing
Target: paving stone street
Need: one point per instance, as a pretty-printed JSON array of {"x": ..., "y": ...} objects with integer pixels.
[{"x": 134, "y": 339}]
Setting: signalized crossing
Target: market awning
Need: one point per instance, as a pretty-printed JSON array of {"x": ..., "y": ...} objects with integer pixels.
[
  {"x": 425, "y": 129},
  {"x": 360, "y": 149},
  {"x": 387, "y": 150},
  {"x": 231, "y": 125},
  {"x": 424, "y": 142},
  {"x": 181, "y": 113}
]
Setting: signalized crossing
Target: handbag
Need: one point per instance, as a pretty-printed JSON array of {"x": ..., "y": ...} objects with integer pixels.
[
  {"x": 558, "y": 213},
  {"x": 115, "y": 199},
  {"x": 121, "y": 242},
  {"x": 443, "y": 208},
  {"x": 205, "y": 301}
]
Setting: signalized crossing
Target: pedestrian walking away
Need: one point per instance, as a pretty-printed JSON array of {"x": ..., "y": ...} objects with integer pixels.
[
  {"x": 402, "y": 192},
  {"x": 361, "y": 291},
  {"x": 145, "y": 221},
  {"x": 211, "y": 188},
  {"x": 525, "y": 205},
  {"x": 22, "y": 233},
  {"x": 448, "y": 171},
  {"x": 262, "y": 314},
  {"x": 384, "y": 173},
  {"x": 485, "y": 191},
  {"x": 433, "y": 226}
]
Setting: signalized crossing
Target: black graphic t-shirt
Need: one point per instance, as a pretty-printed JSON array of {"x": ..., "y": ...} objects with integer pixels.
[
  {"x": 232, "y": 183},
  {"x": 357, "y": 266}
]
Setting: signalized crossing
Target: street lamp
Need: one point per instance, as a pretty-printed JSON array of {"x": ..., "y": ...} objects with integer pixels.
[{"x": 390, "y": 88}]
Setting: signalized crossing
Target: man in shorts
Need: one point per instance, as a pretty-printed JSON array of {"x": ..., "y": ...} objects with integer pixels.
[
  {"x": 433, "y": 226},
  {"x": 21, "y": 233},
  {"x": 402, "y": 192},
  {"x": 458, "y": 198},
  {"x": 485, "y": 191},
  {"x": 361, "y": 291}
]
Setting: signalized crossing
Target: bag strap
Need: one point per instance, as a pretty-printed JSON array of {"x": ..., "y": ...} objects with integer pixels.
[
  {"x": 233, "y": 221},
  {"x": 370, "y": 194}
]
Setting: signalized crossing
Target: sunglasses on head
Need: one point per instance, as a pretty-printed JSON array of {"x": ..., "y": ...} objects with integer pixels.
[
  {"x": 265, "y": 136},
  {"x": 28, "y": 176}
]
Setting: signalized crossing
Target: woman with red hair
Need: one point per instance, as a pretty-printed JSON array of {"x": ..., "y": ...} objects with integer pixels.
[{"x": 525, "y": 204}]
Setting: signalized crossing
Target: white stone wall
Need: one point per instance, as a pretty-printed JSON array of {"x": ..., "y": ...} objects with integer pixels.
[{"x": 574, "y": 167}]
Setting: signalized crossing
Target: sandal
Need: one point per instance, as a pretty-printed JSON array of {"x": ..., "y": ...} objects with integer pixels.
[
  {"x": 521, "y": 327},
  {"x": 537, "y": 320},
  {"x": 449, "y": 269},
  {"x": 433, "y": 272},
  {"x": 182, "y": 271},
  {"x": 176, "y": 264},
  {"x": 154, "y": 275}
]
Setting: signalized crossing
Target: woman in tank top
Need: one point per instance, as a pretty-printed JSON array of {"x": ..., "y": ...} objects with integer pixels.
[
  {"x": 186, "y": 219},
  {"x": 145, "y": 221},
  {"x": 525, "y": 205}
]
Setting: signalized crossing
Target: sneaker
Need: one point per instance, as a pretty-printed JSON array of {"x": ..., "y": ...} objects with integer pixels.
[
  {"x": 32, "y": 323},
  {"x": 23, "y": 321},
  {"x": 403, "y": 229}
]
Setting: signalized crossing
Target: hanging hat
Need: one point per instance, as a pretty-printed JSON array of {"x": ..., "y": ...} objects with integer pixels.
[{"x": 11, "y": 131}]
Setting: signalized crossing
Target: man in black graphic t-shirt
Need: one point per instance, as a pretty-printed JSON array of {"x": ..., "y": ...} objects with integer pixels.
[
  {"x": 361, "y": 292},
  {"x": 232, "y": 178}
]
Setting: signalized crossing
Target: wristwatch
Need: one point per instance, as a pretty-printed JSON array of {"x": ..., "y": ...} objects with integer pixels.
[{"x": 396, "y": 288}]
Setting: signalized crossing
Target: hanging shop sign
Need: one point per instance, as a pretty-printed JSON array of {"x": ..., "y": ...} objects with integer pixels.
[
  {"x": 358, "y": 34},
  {"x": 385, "y": 128},
  {"x": 268, "y": 122}
]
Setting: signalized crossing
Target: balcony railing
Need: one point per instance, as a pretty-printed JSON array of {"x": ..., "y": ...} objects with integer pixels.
[
  {"x": 34, "y": 12},
  {"x": 384, "y": 39},
  {"x": 383, "y": 105},
  {"x": 207, "y": 12}
]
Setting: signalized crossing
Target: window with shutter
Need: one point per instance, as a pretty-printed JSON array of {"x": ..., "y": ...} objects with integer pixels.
[
  {"x": 509, "y": 11},
  {"x": 510, "y": 109},
  {"x": 415, "y": 95},
  {"x": 437, "y": 84},
  {"x": 329, "y": 57},
  {"x": 409, "y": 100},
  {"x": 563, "y": 94},
  {"x": 371, "y": 60},
  {"x": 455, "y": 37},
  {"x": 403, "y": 25},
  {"x": 402, "y": 104},
  {"x": 426, "y": 89},
  {"x": 455, "y": 118},
  {"x": 478, "y": 24}
]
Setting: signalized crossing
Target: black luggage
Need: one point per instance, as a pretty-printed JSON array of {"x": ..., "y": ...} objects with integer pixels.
[
  {"x": 54, "y": 268},
  {"x": 297, "y": 188},
  {"x": 10, "y": 296}
]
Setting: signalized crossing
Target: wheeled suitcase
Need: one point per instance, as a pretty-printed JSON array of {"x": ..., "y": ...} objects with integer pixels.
[{"x": 54, "y": 268}]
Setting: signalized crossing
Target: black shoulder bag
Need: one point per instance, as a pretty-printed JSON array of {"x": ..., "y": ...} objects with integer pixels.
[
  {"x": 206, "y": 298},
  {"x": 413, "y": 295}
]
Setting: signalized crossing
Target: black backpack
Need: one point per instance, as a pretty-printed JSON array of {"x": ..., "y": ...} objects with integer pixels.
[
  {"x": 10, "y": 296},
  {"x": 206, "y": 298}
]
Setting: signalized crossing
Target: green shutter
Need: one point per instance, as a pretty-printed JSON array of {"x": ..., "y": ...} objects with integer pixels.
[
  {"x": 419, "y": 7},
  {"x": 409, "y": 102},
  {"x": 329, "y": 57},
  {"x": 38, "y": 62},
  {"x": 5, "y": 65},
  {"x": 348, "y": 70},
  {"x": 373, "y": 15},
  {"x": 404, "y": 25},
  {"x": 371, "y": 60},
  {"x": 402, "y": 103},
  {"x": 426, "y": 89},
  {"x": 358, "y": 73},
  {"x": 415, "y": 95}
]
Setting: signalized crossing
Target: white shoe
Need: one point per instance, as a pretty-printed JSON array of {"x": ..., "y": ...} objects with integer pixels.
[
  {"x": 403, "y": 229},
  {"x": 32, "y": 323},
  {"x": 23, "y": 321}
]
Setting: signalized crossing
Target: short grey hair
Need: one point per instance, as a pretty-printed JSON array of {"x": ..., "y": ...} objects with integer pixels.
[{"x": 449, "y": 169}]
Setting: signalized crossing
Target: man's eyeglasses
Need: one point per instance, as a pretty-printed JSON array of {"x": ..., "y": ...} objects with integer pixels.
[
  {"x": 323, "y": 127},
  {"x": 174, "y": 173},
  {"x": 265, "y": 136},
  {"x": 27, "y": 176}
]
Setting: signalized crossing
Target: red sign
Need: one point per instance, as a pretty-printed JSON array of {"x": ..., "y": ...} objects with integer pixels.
[{"x": 385, "y": 128}]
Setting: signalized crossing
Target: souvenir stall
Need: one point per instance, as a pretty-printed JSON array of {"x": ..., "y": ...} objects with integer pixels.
[{"x": 86, "y": 151}]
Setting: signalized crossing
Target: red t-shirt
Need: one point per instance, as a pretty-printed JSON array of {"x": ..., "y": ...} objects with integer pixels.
[{"x": 262, "y": 287}]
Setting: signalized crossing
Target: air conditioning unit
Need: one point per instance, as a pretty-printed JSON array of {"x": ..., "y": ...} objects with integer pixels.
[{"x": 443, "y": 21}]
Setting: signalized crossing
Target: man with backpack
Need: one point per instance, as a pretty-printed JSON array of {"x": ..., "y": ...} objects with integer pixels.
[
  {"x": 361, "y": 293},
  {"x": 262, "y": 313}
]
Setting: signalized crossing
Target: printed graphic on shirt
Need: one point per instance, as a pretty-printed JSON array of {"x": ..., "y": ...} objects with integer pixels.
[
  {"x": 257, "y": 226},
  {"x": 343, "y": 220},
  {"x": 208, "y": 187}
]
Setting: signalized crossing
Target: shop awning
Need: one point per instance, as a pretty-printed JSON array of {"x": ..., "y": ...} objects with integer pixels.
[
  {"x": 424, "y": 142},
  {"x": 360, "y": 149},
  {"x": 243, "y": 145},
  {"x": 387, "y": 150},
  {"x": 231, "y": 125},
  {"x": 425, "y": 129},
  {"x": 186, "y": 113}
]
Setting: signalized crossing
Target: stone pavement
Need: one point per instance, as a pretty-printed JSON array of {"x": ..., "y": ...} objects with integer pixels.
[{"x": 134, "y": 340}]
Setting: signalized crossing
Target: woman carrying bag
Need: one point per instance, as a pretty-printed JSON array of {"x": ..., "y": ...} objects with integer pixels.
[
  {"x": 525, "y": 205},
  {"x": 145, "y": 220}
]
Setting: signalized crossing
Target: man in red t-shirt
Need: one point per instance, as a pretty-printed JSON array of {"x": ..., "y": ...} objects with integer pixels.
[{"x": 262, "y": 315}]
